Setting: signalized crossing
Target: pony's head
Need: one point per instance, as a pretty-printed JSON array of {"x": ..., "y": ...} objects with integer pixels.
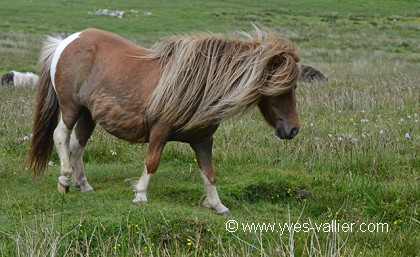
[
  {"x": 278, "y": 104},
  {"x": 280, "y": 112}
]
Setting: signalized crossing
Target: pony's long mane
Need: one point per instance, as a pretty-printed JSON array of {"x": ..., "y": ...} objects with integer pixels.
[{"x": 207, "y": 77}]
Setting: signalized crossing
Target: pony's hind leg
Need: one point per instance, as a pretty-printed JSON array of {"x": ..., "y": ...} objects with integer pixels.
[
  {"x": 203, "y": 153},
  {"x": 61, "y": 140},
  {"x": 78, "y": 140}
]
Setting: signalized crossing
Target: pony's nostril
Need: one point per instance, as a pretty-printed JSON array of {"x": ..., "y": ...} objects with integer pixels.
[{"x": 293, "y": 132}]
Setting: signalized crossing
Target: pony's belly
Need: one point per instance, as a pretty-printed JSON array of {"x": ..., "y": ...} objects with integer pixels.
[
  {"x": 194, "y": 135},
  {"x": 133, "y": 133},
  {"x": 124, "y": 124},
  {"x": 120, "y": 114}
]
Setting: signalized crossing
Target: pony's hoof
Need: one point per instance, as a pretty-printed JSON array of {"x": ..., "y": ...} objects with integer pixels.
[
  {"x": 226, "y": 214},
  {"x": 86, "y": 188},
  {"x": 223, "y": 211},
  {"x": 137, "y": 202},
  {"x": 219, "y": 208},
  {"x": 140, "y": 199},
  {"x": 83, "y": 187},
  {"x": 62, "y": 189}
]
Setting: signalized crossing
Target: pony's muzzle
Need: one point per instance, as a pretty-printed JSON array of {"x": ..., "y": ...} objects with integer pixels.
[{"x": 285, "y": 132}]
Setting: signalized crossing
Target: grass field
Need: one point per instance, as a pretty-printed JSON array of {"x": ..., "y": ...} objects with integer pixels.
[{"x": 356, "y": 159}]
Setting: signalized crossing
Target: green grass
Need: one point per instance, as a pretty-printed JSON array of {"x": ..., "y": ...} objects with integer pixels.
[{"x": 357, "y": 154}]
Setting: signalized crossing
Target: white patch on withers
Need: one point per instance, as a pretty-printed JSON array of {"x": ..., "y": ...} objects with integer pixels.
[{"x": 63, "y": 44}]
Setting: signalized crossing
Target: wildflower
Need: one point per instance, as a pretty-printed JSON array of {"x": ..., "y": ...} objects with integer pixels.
[
  {"x": 354, "y": 140},
  {"x": 340, "y": 139},
  {"x": 364, "y": 120},
  {"x": 311, "y": 124},
  {"x": 381, "y": 131},
  {"x": 331, "y": 145},
  {"x": 113, "y": 153},
  {"x": 407, "y": 136},
  {"x": 189, "y": 242},
  {"x": 402, "y": 120},
  {"x": 408, "y": 116},
  {"x": 25, "y": 138}
]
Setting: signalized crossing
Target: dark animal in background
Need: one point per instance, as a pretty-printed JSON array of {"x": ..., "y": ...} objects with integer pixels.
[
  {"x": 19, "y": 79},
  {"x": 310, "y": 74}
]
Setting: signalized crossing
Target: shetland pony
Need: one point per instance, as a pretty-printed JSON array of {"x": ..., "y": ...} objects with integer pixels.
[{"x": 179, "y": 90}]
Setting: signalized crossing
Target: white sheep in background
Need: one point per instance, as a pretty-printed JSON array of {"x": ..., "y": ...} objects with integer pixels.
[{"x": 19, "y": 79}]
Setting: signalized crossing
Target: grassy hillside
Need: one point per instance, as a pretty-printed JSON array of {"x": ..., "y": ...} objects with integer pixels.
[{"x": 356, "y": 159}]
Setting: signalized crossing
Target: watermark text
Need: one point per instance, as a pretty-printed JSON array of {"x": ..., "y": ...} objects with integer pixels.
[{"x": 334, "y": 226}]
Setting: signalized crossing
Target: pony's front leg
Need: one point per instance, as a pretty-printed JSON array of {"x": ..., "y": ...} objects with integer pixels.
[
  {"x": 158, "y": 138},
  {"x": 203, "y": 153},
  {"x": 61, "y": 140},
  {"x": 141, "y": 187}
]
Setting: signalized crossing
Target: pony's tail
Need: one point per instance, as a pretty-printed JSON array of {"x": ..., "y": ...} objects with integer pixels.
[{"x": 46, "y": 112}]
